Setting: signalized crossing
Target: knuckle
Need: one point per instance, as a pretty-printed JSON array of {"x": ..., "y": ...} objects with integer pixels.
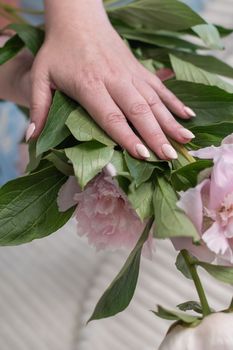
[
  {"x": 153, "y": 101},
  {"x": 35, "y": 106},
  {"x": 138, "y": 109},
  {"x": 157, "y": 136},
  {"x": 114, "y": 118}
]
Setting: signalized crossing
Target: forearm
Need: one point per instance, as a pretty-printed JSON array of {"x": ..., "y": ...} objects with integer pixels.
[
  {"x": 79, "y": 14},
  {"x": 14, "y": 79}
]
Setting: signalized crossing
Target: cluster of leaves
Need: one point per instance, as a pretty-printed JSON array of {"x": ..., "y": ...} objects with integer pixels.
[{"x": 161, "y": 33}]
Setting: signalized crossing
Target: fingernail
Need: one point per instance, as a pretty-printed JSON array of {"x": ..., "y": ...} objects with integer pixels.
[
  {"x": 111, "y": 170},
  {"x": 187, "y": 134},
  {"x": 189, "y": 111},
  {"x": 169, "y": 151},
  {"x": 142, "y": 151},
  {"x": 30, "y": 131}
]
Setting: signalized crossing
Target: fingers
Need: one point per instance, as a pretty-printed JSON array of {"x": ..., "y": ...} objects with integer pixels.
[
  {"x": 107, "y": 114},
  {"x": 164, "y": 117},
  {"x": 41, "y": 99},
  {"x": 139, "y": 113},
  {"x": 169, "y": 99}
]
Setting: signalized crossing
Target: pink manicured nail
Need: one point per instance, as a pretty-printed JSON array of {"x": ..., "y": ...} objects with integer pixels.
[
  {"x": 189, "y": 111},
  {"x": 30, "y": 131},
  {"x": 169, "y": 151},
  {"x": 142, "y": 151},
  {"x": 187, "y": 134}
]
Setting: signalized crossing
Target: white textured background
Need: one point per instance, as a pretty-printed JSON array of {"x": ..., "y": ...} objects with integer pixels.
[{"x": 48, "y": 288}]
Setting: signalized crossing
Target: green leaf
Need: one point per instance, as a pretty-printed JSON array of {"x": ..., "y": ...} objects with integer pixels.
[
  {"x": 140, "y": 170},
  {"x": 118, "y": 160},
  {"x": 88, "y": 159},
  {"x": 141, "y": 199},
  {"x": 84, "y": 128},
  {"x": 212, "y": 134},
  {"x": 120, "y": 292},
  {"x": 57, "y": 159},
  {"x": 209, "y": 63},
  {"x": 221, "y": 273},
  {"x": 55, "y": 130},
  {"x": 162, "y": 40},
  {"x": 28, "y": 207},
  {"x": 34, "y": 161},
  {"x": 210, "y": 35},
  {"x": 32, "y": 37},
  {"x": 10, "y": 49},
  {"x": 190, "y": 305},
  {"x": 174, "y": 315},
  {"x": 211, "y": 104},
  {"x": 188, "y": 72},
  {"x": 170, "y": 220},
  {"x": 182, "y": 266},
  {"x": 156, "y": 14},
  {"x": 190, "y": 173}
]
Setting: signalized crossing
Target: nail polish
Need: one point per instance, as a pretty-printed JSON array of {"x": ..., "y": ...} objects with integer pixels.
[
  {"x": 187, "y": 134},
  {"x": 169, "y": 151},
  {"x": 30, "y": 131},
  {"x": 189, "y": 111},
  {"x": 111, "y": 170},
  {"x": 142, "y": 151}
]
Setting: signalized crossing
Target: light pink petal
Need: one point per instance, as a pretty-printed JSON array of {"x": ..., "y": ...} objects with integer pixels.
[
  {"x": 65, "y": 199},
  {"x": 191, "y": 203},
  {"x": 221, "y": 180},
  {"x": 215, "y": 239},
  {"x": 199, "y": 251},
  {"x": 206, "y": 153},
  {"x": 228, "y": 140}
]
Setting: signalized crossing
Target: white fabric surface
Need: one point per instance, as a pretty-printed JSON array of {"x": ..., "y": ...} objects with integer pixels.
[{"x": 48, "y": 288}]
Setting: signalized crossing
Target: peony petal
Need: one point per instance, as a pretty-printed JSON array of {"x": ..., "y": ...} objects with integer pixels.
[
  {"x": 199, "y": 251},
  {"x": 191, "y": 203},
  {"x": 215, "y": 239},
  {"x": 65, "y": 199},
  {"x": 206, "y": 153},
  {"x": 228, "y": 140}
]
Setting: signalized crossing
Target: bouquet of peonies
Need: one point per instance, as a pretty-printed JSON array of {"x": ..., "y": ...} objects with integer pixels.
[{"x": 75, "y": 169}]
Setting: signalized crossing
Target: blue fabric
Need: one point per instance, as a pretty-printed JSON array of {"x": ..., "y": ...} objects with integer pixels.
[{"x": 12, "y": 128}]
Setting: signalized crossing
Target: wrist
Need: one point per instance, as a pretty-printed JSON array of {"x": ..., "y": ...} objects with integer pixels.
[{"x": 74, "y": 15}]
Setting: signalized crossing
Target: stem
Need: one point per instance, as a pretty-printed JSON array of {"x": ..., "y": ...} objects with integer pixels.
[
  {"x": 196, "y": 279},
  {"x": 183, "y": 150}
]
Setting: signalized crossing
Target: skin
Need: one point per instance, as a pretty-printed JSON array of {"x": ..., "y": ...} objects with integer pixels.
[{"x": 84, "y": 57}]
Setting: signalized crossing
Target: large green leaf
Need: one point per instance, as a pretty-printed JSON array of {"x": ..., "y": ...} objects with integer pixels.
[
  {"x": 141, "y": 199},
  {"x": 120, "y": 292},
  {"x": 88, "y": 159},
  {"x": 211, "y": 135},
  {"x": 188, "y": 72},
  {"x": 156, "y": 15},
  {"x": 209, "y": 63},
  {"x": 170, "y": 220},
  {"x": 140, "y": 170},
  {"x": 28, "y": 207},
  {"x": 221, "y": 273},
  {"x": 31, "y": 36},
  {"x": 162, "y": 40},
  {"x": 84, "y": 128},
  {"x": 211, "y": 104},
  {"x": 209, "y": 34},
  {"x": 10, "y": 49},
  {"x": 55, "y": 130}
]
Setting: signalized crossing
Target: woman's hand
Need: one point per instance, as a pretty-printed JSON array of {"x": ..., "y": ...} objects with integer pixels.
[{"x": 84, "y": 57}]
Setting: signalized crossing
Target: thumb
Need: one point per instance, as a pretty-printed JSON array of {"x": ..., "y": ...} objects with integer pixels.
[{"x": 41, "y": 99}]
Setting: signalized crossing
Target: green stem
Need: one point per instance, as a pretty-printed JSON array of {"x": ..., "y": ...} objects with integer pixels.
[
  {"x": 196, "y": 279},
  {"x": 183, "y": 150}
]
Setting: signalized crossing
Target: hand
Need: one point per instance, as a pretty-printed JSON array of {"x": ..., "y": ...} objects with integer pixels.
[{"x": 84, "y": 57}]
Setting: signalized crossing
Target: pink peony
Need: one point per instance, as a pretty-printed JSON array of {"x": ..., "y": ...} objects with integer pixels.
[
  {"x": 210, "y": 204},
  {"x": 104, "y": 214}
]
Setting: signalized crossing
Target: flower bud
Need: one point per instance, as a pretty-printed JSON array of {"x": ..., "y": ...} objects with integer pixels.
[{"x": 213, "y": 333}]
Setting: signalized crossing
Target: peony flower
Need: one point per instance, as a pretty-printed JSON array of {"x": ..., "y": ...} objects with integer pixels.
[
  {"x": 210, "y": 204},
  {"x": 214, "y": 332},
  {"x": 104, "y": 213}
]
